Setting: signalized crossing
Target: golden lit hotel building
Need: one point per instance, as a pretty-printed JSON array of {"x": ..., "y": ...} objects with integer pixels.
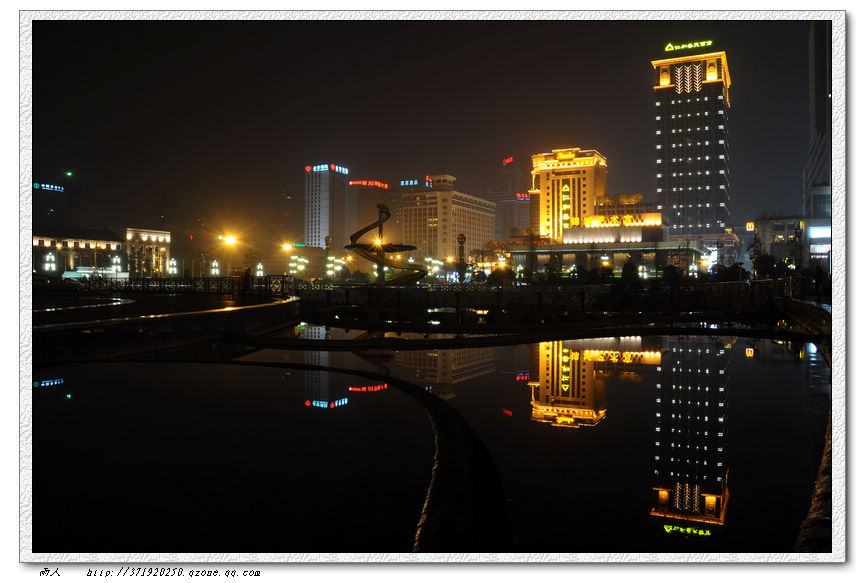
[
  {"x": 692, "y": 102},
  {"x": 565, "y": 184}
]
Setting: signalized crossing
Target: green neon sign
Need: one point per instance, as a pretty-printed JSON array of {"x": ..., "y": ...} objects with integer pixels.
[
  {"x": 693, "y": 45},
  {"x": 687, "y": 530}
]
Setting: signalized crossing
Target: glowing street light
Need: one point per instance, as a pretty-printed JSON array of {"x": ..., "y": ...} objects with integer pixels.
[{"x": 231, "y": 240}]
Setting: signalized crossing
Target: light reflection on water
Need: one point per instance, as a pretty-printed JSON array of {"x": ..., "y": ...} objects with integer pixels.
[{"x": 654, "y": 444}]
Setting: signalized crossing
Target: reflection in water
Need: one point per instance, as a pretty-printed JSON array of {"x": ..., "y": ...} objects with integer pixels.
[
  {"x": 570, "y": 390},
  {"x": 690, "y": 466},
  {"x": 443, "y": 368},
  {"x": 322, "y": 389}
]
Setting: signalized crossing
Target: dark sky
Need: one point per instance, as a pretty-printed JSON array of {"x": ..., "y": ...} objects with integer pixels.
[{"x": 213, "y": 118}]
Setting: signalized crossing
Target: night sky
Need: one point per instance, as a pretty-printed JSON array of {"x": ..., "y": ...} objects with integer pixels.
[{"x": 192, "y": 118}]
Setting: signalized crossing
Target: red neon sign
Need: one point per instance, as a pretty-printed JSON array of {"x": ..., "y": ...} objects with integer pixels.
[
  {"x": 308, "y": 168},
  {"x": 368, "y": 388},
  {"x": 375, "y": 183},
  {"x": 333, "y": 166},
  {"x": 521, "y": 377},
  {"x": 523, "y": 196},
  {"x": 508, "y": 412},
  {"x": 507, "y": 160}
]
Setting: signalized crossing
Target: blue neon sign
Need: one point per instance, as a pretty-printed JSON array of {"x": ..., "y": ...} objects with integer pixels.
[
  {"x": 47, "y": 383},
  {"x": 54, "y": 187}
]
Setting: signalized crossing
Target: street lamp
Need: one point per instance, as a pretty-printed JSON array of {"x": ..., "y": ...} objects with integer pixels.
[
  {"x": 230, "y": 241},
  {"x": 287, "y": 248}
]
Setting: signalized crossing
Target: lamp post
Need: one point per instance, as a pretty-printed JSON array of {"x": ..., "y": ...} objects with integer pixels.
[{"x": 287, "y": 248}]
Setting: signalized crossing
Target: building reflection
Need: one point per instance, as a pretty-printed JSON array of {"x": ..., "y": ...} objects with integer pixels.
[
  {"x": 570, "y": 390},
  {"x": 322, "y": 389},
  {"x": 441, "y": 369},
  {"x": 690, "y": 465}
]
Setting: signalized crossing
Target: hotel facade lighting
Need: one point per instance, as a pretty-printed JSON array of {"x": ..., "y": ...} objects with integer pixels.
[
  {"x": 565, "y": 184},
  {"x": 692, "y": 151}
]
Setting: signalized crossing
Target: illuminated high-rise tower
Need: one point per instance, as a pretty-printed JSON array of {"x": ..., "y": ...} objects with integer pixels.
[
  {"x": 817, "y": 177},
  {"x": 692, "y": 102},
  {"x": 329, "y": 210},
  {"x": 565, "y": 184}
]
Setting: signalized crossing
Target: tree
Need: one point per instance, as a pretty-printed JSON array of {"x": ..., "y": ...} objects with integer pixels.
[
  {"x": 672, "y": 274},
  {"x": 764, "y": 265},
  {"x": 502, "y": 276},
  {"x": 630, "y": 273}
]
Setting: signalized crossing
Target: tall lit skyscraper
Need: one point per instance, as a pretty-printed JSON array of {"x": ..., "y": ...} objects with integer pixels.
[
  {"x": 817, "y": 177},
  {"x": 329, "y": 210},
  {"x": 565, "y": 184},
  {"x": 692, "y": 103}
]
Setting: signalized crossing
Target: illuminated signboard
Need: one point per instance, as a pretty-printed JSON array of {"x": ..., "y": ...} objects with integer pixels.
[
  {"x": 565, "y": 155},
  {"x": 825, "y": 248},
  {"x": 523, "y": 196},
  {"x": 54, "y": 187},
  {"x": 521, "y": 376},
  {"x": 749, "y": 226},
  {"x": 326, "y": 167},
  {"x": 749, "y": 351},
  {"x": 694, "y": 45},
  {"x": 507, "y": 160},
  {"x": 645, "y": 357},
  {"x": 374, "y": 183},
  {"x": 326, "y": 405},
  {"x": 508, "y": 412},
  {"x": 819, "y": 232},
  {"x": 47, "y": 383},
  {"x": 687, "y": 530},
  {"x": 647, "y": 220},
  {"x": 368, "y": 388}
]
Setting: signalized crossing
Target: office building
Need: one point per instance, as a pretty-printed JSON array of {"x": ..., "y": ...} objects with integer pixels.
[
  {"x": 329, "y": 210},
  {"x": 781, "y": 236},
  {"x": 435, "y": 215},
  {"x": 692, "y": 148},
  {"x": 513, "y": 216},
  {"x": 511, "y": 198},
  {"x": 817, "y": 177},
  {"x": 565, "y": 184}
]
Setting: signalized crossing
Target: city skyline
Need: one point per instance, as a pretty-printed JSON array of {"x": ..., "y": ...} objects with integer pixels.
[{"x": 205, "y": 123}]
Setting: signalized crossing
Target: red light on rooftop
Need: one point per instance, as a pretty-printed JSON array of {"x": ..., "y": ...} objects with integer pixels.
[
  {"x": 308, "y": 168},
  {"x": 508, "y": 412},
  {"x": 507, "y": 160}
]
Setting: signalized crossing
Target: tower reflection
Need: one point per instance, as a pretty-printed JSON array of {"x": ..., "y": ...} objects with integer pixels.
[{"x": 690, "y": 465}]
